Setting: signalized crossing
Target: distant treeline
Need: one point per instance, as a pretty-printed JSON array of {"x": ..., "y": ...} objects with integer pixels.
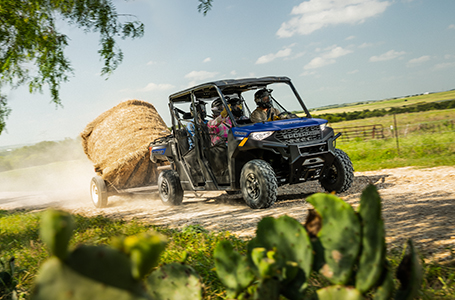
[
  {"x": 356, "y": 115},
  {"x": 41, "y": 154}
]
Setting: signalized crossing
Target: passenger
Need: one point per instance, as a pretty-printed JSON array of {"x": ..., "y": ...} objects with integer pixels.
[
  {"x": 190, "y": 125},
  {"x": 264, "y": 110},
  {"x": 219, "y": 126}
]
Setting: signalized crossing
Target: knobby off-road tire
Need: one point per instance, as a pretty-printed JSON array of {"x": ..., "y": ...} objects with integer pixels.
[
  {"x": 169, "y": 187},
  {"x": 340, "y": 175},
  {"x": 98, "y": 192},
  {"x": 258, "y": 184}
]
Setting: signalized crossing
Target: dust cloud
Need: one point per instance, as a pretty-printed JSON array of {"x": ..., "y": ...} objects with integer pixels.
[{"x": 57, "y": 184}]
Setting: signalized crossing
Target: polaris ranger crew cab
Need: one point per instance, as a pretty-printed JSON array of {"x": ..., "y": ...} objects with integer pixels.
[{"x": 254, "y": 158}]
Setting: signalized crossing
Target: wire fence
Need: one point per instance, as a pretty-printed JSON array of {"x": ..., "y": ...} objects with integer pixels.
[{"x": 402, "y": 134}]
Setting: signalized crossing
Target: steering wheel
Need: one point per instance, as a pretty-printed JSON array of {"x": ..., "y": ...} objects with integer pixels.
[{"x": 287, "y": 115}]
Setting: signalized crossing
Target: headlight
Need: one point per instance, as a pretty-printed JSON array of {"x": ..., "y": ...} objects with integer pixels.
[
  {"x": 259, "y": 136},
  {"x": 322, "y": 126}
]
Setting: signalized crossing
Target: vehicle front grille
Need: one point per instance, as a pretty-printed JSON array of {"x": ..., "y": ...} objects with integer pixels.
[{"x": 299, "y": 135}]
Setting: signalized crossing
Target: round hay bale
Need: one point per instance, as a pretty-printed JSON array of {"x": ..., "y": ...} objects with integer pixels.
[{"x": 117, "y": 143}]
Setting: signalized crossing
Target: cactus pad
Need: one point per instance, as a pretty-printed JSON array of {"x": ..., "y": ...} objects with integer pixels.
[
  {"x": 373, "y": 240},
  {"x": 232, "y": 268},
  {"x": 174, "y": 281},
  {"x": 56, "y": 230},
  {"x": 339, "y": 236},
  {"x": 57, "y": 281},
  {"x": 337, "y": 292},
  {"x": 409, "y": 273}
]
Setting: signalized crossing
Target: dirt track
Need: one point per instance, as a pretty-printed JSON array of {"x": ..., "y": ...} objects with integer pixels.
[{"x": 417, "y": 204}]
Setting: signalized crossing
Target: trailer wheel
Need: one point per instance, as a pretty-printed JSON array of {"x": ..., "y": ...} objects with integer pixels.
[
  {"x": 339, "y": 176},
  {"x": 258, "y": 184},
  {"x": 98, "y": 192},
  {"x": 169, "y": 187}
]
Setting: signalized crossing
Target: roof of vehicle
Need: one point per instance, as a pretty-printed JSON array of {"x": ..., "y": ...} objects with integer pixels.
[{"x": 227, "y": 86}]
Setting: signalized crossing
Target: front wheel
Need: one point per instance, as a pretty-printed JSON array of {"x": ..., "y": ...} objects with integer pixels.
[
  {"x": 258, "y": 184},
  {"x": 98, "y": 192},
  {"x": 169, "y": 187},
  {"x": 339, "y": 176}
]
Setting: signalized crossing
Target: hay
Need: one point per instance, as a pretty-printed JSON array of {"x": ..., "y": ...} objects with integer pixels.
[{"x": 117, "y": 143}]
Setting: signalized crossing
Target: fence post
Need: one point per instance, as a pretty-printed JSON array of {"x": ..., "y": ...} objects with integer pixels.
[{"x": 396, "y": 133}]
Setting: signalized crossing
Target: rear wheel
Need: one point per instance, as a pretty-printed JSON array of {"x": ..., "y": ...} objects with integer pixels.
[
  {"x": 169, "y": 187},
  {"x": 339, "y": 176},
  {"x": 258, "y": 184},
  {"x": 98, "y": 192}
]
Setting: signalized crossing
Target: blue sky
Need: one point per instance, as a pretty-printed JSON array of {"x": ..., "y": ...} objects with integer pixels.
[{"x": 335, "y": 51}]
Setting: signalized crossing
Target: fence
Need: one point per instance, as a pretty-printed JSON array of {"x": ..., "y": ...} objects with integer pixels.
[{"x": 362, "y": 132}]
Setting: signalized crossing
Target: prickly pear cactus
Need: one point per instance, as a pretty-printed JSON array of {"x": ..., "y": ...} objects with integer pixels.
[
  {"x": 268, "y": 289},
  {"x": 409, "y": 273},
  {"x": 174, "y": 281},
  {"x": 103, "y": 264},
  {"x": 371, "y": 259},
  {"x": 338, "y": 292},
  {"x": 56, "y": 280},
  {"x": 232, "y": 269},
  {"x": 288, "y": 238},
  {"x": 144, "y": 251},
  {"x": 386, "y": 287},
  {"x": 56, "y": 230},
  {"x": 339, "y": 236}
]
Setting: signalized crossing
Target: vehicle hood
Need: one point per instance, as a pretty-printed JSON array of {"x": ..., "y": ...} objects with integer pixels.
[{"x": 276, "y": 125}]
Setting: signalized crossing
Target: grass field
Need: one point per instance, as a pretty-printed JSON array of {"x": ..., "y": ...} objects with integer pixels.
[
  {"x": 425, "y": 139},
  {"x": 19, "y": 237},
  {"x": 388, "y": 103}
]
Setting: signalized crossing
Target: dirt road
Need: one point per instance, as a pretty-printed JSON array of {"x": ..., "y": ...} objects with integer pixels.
[{"x": 417, "y": 204}]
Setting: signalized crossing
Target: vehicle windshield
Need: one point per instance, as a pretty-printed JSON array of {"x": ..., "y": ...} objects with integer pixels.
[{"x": 281, "y": 96}]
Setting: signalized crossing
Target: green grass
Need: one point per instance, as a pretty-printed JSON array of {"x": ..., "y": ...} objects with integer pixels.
[
  {"x": 421, "y": 150},
  {"x": 385, "y": 104},
  {"x": 20, "y": 238}
]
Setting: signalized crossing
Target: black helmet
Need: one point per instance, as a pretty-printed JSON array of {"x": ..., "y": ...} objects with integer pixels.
[
  {"x": 217, "y": 107},
  {"x": 262, "y": 98},
  {"x": 236, "y": 106}
]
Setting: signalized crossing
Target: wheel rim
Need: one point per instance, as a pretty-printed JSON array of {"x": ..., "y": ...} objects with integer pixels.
[
  {"x": 252, "y": 186},
  {"x": 333, "y": 174},
  {"x": 95, "y": 194},
  {"x": 164, "y": 189}
]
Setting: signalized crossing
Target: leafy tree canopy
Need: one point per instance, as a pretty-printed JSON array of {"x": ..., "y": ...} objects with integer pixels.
[{"x": 31, "y": 46}]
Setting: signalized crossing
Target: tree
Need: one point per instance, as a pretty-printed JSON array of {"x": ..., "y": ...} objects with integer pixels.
[
  {"x": 204, "y": 6},
  {"x": 32, "y": 48}
]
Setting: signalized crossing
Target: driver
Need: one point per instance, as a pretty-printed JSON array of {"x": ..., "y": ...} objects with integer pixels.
[{"x": 264, "y": 110}]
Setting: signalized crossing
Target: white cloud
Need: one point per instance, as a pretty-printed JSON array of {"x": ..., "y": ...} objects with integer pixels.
[
  {"x": 353, "y": 72},
  {"x": 157, "y": 87},
  {"x": 200, "y": 75},
  {"x": 151, "y": 63},
  {"x": 315, "y": 14},
  {"x": 366, "y": 45},
  {"x": 392, "y": 54},
  {"x": 327, "y": 58},
  {"x": 308, "y": 73},
  {"x": 451, "y": 26},
  {"x": 444, "y": 66},
  {"x": 350, "y": 38},
  {"x": 208, "y": 59},
  {"x": 419, "y": 60},
  {"x": 272, "y": 56}
]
